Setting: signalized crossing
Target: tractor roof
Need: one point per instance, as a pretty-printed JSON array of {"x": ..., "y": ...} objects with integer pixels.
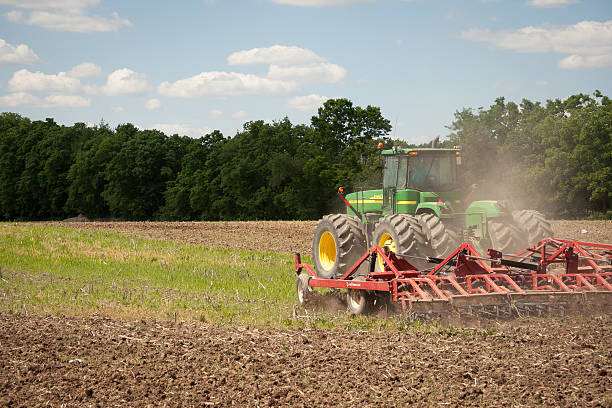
[{"x": 423, "y": 150}]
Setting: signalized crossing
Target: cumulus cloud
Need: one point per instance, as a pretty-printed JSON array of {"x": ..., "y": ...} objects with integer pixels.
[
  {"x": 223, "y": 83},
  {"x": 180, "y": 129},
  {"x": 239, "y": 115},
  {"x": 153, "y": 104},
  {"x": 20, "y": 54},
  {"x": 71, "y": 21},
  {"x": 551, "y": 3},
  {"x": 216, "y": 113},
  {"x": 322, "y": 3},
  {"x": 307, "y": 103},
  {"x": 125, "y": 82},
  {"x": 585, "y": 61},
  {"x": 52, "y": 101},
  {"x": 85, "y": 70},
  {"x": 276, "y": 54},
  {"x": 51, "y": 4},
  {"x": 588, "y": 42},
  {"x": 27, "y": 81},
  {"x": 319, "y": 72},
  {"x": 288, "y": 67},
  {"x": 117, "y": 109},
  {"x": 63, "y": 15}
]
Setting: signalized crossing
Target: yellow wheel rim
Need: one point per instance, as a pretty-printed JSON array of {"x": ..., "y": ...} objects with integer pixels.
[
  {"x": 327, "y": 250},
  {"x": 386, "y": 240}
]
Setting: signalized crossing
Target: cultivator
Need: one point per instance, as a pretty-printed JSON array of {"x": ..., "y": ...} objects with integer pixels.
[{"x": 552, "y": 276}]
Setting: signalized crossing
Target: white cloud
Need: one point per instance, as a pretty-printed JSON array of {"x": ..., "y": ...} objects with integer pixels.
[
  {"x": 20, "y": 54},
  {"x": 307, "y": 103},
  {"x": 117, "y": 109},
  {"x": 586, "y": 38},
  {"x": 288, "y": 67},
  {"x": 216, "y": 113},
  {"x": 223, "y": 83},
  {"x": 153, "y": 104},
  {"x": 551, "y": 3},
  {"x": 67, "y": 101},
  {"x": 63, "y": 15},
  {"x": 180, "y": 129},
  {"x": 319, "y": 72},
  {"x": 125, "y": 82},
  {"x": 585, "y": 61},
  {"x": 51, "y": 4},
  {"x": 542, "y": 83},
  {"x": 276, "y": 54},
  {"x": 239, "y": 115},
  {"x": 71, "y": 21},
  {"x": 13, "y": 16},
  {"x": 322, "y": 3},
  {"x": 19, "y": 99},
  {"x": 52, "y": 101},
  {"x": 24, "y": 80},
  {"x": 85, "y": 70}
]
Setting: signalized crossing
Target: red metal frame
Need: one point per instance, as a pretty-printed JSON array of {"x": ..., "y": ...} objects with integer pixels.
[{"x": 465, "y": 273}]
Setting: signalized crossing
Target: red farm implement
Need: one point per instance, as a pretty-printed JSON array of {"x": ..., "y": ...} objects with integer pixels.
[{"x": 551, "y": 276}]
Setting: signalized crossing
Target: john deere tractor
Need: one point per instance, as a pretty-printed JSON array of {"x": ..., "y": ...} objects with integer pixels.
[{"x": 420, "y": 211}]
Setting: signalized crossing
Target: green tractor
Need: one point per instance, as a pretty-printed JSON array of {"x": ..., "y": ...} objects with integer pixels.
[{"x": 420, "y": 212}]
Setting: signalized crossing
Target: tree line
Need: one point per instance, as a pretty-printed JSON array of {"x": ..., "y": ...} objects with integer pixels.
[{"x": 554, "y": 157}]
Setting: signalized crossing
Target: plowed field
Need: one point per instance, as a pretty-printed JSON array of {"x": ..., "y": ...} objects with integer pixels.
[
  {"x": 97, "y": 361},
  {"x": 100, "y": 362},
  {"x": 286, "y": 236}
]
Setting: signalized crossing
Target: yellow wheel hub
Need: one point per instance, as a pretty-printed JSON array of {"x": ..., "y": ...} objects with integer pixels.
[
  {"x": 327, "y": 250},
  {"x": 386, "y": 240}
]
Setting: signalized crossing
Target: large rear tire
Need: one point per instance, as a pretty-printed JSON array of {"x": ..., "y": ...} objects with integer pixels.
[
  {"x": 504, "y": 236},
  {"x": 442, "y": 238},
  {"x": 402, "y": 234},
  {"x": 533, "y": 225},
  {"x": 338, "y": 243}
]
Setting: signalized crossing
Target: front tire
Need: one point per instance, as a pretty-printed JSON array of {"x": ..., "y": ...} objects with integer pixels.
[
  {"x": 402, "y": 234},
  {"x": 338, "y": 243},
  {"x": 442, "y": 238}
]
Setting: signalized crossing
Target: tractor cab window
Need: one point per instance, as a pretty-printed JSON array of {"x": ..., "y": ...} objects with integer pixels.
[
  {"x": 395, "y": 178},
  {"x": 396, "y": 172},
  {"x": 432, "y": 172}
]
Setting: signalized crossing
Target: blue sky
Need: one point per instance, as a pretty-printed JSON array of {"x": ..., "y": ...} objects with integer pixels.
[{"x": 194, "y": 66}]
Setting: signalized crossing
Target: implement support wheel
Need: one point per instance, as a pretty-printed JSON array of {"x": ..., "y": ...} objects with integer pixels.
[
  {"x": 303, "y": 289},
  {"x": 359, "y": 301}
]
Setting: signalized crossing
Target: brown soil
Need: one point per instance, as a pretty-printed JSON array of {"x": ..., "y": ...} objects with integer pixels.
[
  {"x": 287, "y": 236},
  {"x": 96, "y": 361}
]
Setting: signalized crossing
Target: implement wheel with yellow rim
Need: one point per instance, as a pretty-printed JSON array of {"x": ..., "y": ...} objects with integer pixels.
[{"x": 338, "y": 243}]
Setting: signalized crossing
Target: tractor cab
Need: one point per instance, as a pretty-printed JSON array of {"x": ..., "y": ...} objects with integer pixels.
[{"x": 418, "y": 176}]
